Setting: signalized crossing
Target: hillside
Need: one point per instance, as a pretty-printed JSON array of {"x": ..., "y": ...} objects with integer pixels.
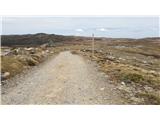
[{"x": 32, "y": 39}]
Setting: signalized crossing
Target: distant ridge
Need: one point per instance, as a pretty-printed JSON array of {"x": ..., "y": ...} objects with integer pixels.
[{"x": 42, "y": 38}]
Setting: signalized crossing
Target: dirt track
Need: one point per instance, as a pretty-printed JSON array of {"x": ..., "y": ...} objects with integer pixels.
[{"x": 65, "y": 79}]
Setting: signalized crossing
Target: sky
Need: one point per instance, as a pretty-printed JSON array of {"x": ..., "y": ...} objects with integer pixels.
[{"x": 101, "y": 26}]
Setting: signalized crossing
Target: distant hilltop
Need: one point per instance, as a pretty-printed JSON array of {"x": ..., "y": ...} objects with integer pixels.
[{"x": 43, "y": 38}]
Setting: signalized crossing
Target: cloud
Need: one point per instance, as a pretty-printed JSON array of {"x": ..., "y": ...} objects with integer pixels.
[
  {"x": 102, "y": 29},
  {"x": 79, "y": 30}
]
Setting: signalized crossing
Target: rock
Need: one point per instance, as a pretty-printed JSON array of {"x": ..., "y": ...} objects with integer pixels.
[
  {"x": 148, "y": 89},
  {"x": 43, "y": 46},
  {"x": 28, "y": 49},
  {"x": 106, "y": 76},
  {"x": 117, "y": 61},
  {"x": 47, "y": 51},
  {"x": 137, "y": 100},
  {"x": 37, "y": 57},
  {"x": 123, "y": 83},
  {"x": 109, "y": 57},
  {"x": 32, "y": 52},
  {"x": 14, "y": 52},
  {"x": 100, "y": 51},
  {"x": 83, "y": 50},
  {"x": 152, "y": 71},
  {"x": 125, "y": 88},
  {"x": 102, "y": 89},
  {"x": 122, "y": 59},
  {"x": 145, "y": 62},
  {"x": 31, "y": 62},
  {"x": 42, "y": 52},
  {"x": 106, "y": 98},
  {"x": 5, "y": 75},
  {"x": 102, "y": 73}
]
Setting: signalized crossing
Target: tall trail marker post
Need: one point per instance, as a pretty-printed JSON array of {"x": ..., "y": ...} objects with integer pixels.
[{"x": 93, "y": 46}]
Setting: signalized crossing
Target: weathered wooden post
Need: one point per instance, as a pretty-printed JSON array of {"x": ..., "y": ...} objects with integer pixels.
[{"x": 92, "y": 45}]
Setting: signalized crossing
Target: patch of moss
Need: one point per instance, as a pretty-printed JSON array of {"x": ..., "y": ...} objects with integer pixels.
[{"x": 132, "y": 77}]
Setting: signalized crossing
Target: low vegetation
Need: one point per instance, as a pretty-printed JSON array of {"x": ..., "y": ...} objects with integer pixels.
[
  {"x": 133, "y": 65},
  {"x": 150, "y": 98},
  {"x": 11, "y": 65},
  {"x": 136, "y": 73}
]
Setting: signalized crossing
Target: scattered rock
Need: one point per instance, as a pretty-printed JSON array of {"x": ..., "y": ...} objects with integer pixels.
[
  {"x": 110, "y": 57},
  {"x": 47, "y": 51},
  {"x": 152, "y": 72},
  {"x": 125, "y": 88},
  {"x": 102, "y": 73},
  {"x": 137, "y": 100},
  {"x": 106, "y": 76},
  {"x": 32, "y": 52},
  {"x": 148, "y": 89},
  {"x": 83, "y": 50},
  {"x": 28, "y": 49},
  {"x": 145, "y": 62},
  {"x": 44, "y": 46},
  {"x": 122, "y": 59},
  {"x": 5, "y": 75},
  {"x": 43, "y": 53},
  {"x": 123, "y": 83},
  {"x": 32, "y": 62},
  {"x": 106, "y": 98},
  {"x": 100, "y": 51},
  {"x": 102, "y": 89},
  {"x": 117, "y": 61},
  {"x": 16, "y": 51}
]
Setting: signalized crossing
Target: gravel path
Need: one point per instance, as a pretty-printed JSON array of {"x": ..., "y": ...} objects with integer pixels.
[{"x": 64, "y": 79}]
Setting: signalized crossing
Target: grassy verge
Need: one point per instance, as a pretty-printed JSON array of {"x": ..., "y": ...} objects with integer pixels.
[
  {"x": 150, "y": 98},
  {"x": 129, "y": 74},
  {"x": 11, "y": 65}
]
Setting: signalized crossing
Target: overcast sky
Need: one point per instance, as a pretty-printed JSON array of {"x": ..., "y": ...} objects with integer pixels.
[{"x": 132, "y": 27}]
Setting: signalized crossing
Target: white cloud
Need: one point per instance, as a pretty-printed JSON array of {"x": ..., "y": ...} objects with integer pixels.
[
  {"x": 102, "y": 29},
  {"x": 79, "y": 30}
]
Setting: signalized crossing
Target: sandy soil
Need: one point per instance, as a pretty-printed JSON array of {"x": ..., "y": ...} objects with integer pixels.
[{"x": 64, "y": 79}]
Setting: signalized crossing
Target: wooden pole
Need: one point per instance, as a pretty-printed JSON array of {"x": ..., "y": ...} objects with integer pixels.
[{"x": 92, "y": 45}]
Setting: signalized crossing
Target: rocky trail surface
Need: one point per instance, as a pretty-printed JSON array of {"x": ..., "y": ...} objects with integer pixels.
[{"x": 64, "y": 79}]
